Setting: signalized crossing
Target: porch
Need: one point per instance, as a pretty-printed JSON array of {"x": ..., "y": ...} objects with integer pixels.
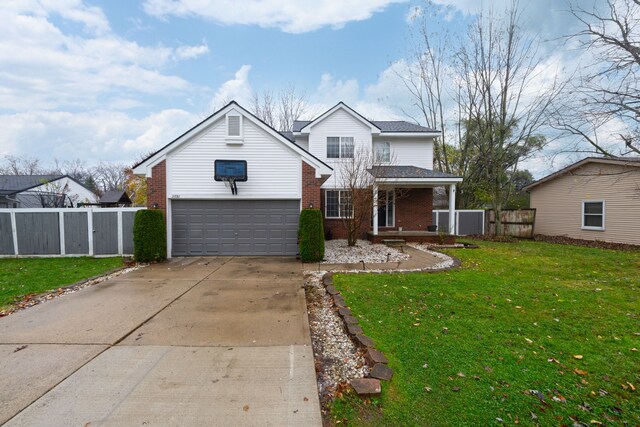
[
  {"x": 391, "y": 179},
  {"x": 411, "y": 236}
]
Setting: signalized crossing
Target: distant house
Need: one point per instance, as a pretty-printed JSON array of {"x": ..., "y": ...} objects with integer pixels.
[
  {"x": 42, "y": 191},
  {"x": 593, "y": 199},
  {"x": 115, "y": 199}
]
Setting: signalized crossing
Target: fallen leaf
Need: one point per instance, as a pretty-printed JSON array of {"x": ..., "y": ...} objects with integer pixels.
[
  {"x": 596, "y": 422},
  {"x": 577, "y": 356},
  {"x": 528, "y": 340},
  {"x": 633, "y": 388},
  {"x": 634, "y": 349},
  {"x": 461, "y": 375},
  {"x": 456, "y": 388},
  {"x": 245, "y": 408},
  {"x": 306, "y": 399},
  {"x": 580, "y": 371},
  {"x": 427, "y": 389},
  {"x": 22, "y": 347}
]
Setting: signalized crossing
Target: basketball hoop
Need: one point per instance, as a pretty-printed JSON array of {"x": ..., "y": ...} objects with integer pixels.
[{"x": 230, "y": 172}]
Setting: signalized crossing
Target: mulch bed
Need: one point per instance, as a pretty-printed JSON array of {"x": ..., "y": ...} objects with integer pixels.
[{"x": 598, "y": 244}]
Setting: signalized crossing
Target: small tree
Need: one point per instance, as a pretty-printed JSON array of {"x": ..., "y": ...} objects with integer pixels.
[{"x": 355, "y": 175}]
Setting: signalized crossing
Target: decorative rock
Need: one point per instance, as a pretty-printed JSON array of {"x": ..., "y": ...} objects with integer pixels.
[
  {"x": 350, "y": 320},
  {"x": 374, "y": 356},
  {"x": 354, "y": 329},
  {"x": 382, "y": 372},
  {"x": 339, "y": 301},
  {"x": 328, "y": 280},
  {"x": 366, "y": 387},
  {"x": 331, "y": 290},
  {"x": 344, "y": 311},
  {"x": 365, "y": 341}
]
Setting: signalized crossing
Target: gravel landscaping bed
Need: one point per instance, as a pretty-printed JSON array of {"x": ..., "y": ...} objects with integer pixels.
[
  {"x": 338, "y": 252},
  {"x": 337, "y": 358}
]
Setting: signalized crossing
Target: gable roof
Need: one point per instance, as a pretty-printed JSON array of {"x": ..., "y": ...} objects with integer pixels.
[
  {"x": 11, "y": 184},
  {"x": 158, "y": 156},
  {"x": 115, "y": 196},
  {"x": 621, "y": 161},
  {"x": 384, "y": 126},
  {"x": 341, "y": 106}
]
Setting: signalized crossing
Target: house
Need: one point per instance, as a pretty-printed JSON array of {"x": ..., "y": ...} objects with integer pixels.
[
  {"x": 594, "y": 199},
  {"x": 115, "y": 199},
  {"x": 42, "y": 191},
  {"x": 234, "y": 185}
]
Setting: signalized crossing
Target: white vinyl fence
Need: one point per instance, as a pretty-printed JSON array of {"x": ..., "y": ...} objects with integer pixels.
[
  {"x": 66, "y": 232},
  {"x": 468, "y": 221}
]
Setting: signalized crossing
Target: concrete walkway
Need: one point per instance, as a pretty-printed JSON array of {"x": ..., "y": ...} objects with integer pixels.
[
  {"x": 419, "y": 260},
  {"x": 199, "y": 341}
]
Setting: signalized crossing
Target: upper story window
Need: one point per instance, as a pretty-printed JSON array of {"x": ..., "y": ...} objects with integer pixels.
[
  {"x": 339, "y": 147},
  {"x": 234, "y": 126},
  {"x": 593, "y": 214},
  {"x": 383, "y": 152}
]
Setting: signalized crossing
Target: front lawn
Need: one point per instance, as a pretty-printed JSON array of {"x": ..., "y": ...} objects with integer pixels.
[
  {"x": 19, "y": 277},
  {"x": 524, "y": 333}
]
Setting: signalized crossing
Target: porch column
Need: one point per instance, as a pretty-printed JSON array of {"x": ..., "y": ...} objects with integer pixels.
[
  {"x": 375, "y": 210},
  {"x": 452, "y": 209}
]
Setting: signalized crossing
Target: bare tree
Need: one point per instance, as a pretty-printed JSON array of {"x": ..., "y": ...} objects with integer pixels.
[
  {"x": 279, "y": 111},
  {"x": 606, "y": 95},
  {"x": 109, "y": 176},
  {"x": 505, "y": 107},
  {"x": 21, "y": 165}
]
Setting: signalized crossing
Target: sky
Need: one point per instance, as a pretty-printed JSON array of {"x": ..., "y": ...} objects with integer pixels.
[{"x": 112, "y": 80}]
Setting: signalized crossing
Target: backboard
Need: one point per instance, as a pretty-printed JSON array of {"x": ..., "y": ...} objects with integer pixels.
[{"x": 234, "y": 169}]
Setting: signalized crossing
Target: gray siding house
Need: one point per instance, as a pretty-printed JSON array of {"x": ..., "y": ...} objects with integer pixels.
[{"x": 593, "y": 199}]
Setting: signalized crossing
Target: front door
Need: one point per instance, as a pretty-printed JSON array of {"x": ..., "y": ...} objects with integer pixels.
[{"x": 386, "y": 208}]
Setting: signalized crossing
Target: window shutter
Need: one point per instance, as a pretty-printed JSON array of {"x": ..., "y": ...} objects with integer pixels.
[{"x": 233, "y": 125}]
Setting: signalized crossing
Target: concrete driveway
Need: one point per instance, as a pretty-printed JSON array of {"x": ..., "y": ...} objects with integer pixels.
[{"x": 196, "y": 341}]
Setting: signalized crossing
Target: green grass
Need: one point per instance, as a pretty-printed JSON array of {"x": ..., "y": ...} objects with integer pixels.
[
  {"x": 510, "y": 313},
  {"x": 19, "y": 277}
]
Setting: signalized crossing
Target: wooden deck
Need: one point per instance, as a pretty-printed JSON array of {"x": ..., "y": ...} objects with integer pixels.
[{"x": 412, "y": 236}]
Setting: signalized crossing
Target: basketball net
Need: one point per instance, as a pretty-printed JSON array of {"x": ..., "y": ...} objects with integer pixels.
[{"x": 231, "y": 183}]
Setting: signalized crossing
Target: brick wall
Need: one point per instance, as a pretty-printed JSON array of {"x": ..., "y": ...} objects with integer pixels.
[
  {"x": 414, "y": 211},
  {"x": 310, "y": 187},
  {"x": 157, "y": 187}
]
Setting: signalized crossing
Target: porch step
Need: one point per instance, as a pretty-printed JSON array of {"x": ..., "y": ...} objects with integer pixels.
[{"x": 394, "y": 242}]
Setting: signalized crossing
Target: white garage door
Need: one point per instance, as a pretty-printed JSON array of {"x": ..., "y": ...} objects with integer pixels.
[{"x": 234, "y": 227}]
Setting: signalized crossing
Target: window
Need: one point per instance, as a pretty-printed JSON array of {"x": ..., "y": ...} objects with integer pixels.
[
  {"x": 338, "y": 204},
  {"x": 383, "y": 152},
  {"x": 339, "y": 147},
  {"x": 234, "y": 126},
  {"x": 593, "y": 214}
]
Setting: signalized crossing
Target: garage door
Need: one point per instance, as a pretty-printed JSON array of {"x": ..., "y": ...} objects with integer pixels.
[{"x": 234, "y": 227}]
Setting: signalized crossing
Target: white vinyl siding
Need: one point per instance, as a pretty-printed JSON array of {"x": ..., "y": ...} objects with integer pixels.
[
  {"x": 558, "y": 203},
  {"x": 593, "y": 214},
  {"x": 338, "y": 204},
  {"x": 409, "y": 151},
  {"x": 274, "y": 170}
]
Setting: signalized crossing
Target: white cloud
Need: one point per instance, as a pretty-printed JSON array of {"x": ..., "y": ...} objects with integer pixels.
[
  {"x": 237, "y": 89},
  {"x": 292, "y": 16},
  {"x": 45, "y": 67},
  {"x": 91, "y": 136},
  {"x": 332, "y": 91},
  {"x": 414, "y": 13}
]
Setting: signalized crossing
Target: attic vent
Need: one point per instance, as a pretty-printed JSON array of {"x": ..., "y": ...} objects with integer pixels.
[{"x": 233, "y": 126}]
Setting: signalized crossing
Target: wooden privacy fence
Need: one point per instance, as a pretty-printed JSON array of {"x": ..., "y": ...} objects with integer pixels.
[
  {"x": 514, "y": 222},
  {"x": 66, "y": 232}
]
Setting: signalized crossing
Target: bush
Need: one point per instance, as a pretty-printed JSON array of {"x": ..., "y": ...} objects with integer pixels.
[
  {"x": 149, "y": 236},
  {"x": 311, "y": 235}
]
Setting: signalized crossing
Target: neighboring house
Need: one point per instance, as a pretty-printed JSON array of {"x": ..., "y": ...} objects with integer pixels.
[
  {"x": 285, "y": 172},
  {"x": 115, "y": 199},
  {"x": 593, "y": 199},
  {"x": 42, "y": 191}
]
